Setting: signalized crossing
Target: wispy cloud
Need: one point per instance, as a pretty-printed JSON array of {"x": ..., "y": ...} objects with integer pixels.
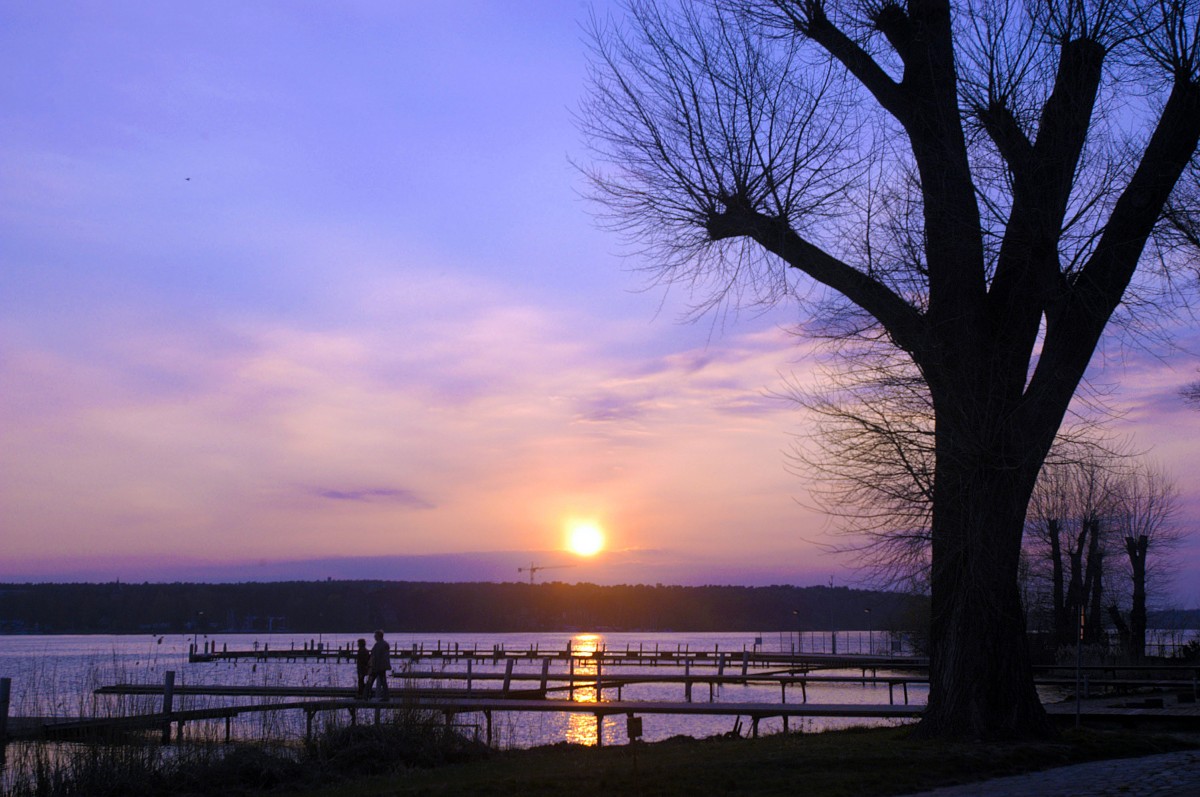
[{"x": 391, "y": 495}]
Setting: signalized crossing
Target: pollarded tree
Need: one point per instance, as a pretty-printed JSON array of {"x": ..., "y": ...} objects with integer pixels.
[
  {"x": 1071, "y": 537},
  {"x": 1144, "y": 517},
  {"x": 977, "y": 185}
]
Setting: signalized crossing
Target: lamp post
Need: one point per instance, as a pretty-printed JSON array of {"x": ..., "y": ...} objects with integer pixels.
[
  {"x": 832, "y": 630},
  {"x": 870, "y": 633},
  {"x": 799, "y": 639}
]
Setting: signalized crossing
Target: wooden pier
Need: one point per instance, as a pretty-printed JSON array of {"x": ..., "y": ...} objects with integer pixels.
[
  {"x": 630, "y": 655},
  {"x": 452, "y": 706},
  {"x": 446, "y": 681}
]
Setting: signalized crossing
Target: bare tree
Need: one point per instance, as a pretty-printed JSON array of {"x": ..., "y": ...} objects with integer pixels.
[
  {"x": 1088, "y": 515},
  {"x": 1070, "y": 537},
  {"x": 1144, "y": 516},
  {"x": 868, "y": 459},
  {"x": 945, "y": 175},
  {"x": 1191, "y": 393}
]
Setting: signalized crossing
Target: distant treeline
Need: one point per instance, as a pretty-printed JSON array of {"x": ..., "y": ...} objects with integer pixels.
[{"x": 405, "y": 606}]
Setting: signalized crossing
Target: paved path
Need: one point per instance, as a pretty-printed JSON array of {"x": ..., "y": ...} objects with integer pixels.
[{"x": 1165, "y": 775}]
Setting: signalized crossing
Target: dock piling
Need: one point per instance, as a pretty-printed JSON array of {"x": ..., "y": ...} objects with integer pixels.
[
  {"x": 508, "y": 669},
  {"x": 167, "y": 704},
  {"x": 5, "y": 694}
]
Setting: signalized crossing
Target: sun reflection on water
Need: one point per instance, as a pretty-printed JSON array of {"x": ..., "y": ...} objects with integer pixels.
[{"x": 581, "y": 728}]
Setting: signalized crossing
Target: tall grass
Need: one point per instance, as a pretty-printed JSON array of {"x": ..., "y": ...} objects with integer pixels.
[
  {"x": 138, "y": 765},
  {"x": 270, "y": 747}
]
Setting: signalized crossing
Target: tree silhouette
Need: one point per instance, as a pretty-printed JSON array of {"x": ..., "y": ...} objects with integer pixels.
[{"x": 979, "y": 185}]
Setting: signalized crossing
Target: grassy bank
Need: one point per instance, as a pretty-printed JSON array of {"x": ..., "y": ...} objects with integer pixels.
[
  {"x": 417, "y": 756},
  {"x": 858, "y": 763}
]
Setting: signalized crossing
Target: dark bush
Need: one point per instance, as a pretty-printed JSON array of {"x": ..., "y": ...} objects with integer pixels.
[{"x": 375, "y": 749}]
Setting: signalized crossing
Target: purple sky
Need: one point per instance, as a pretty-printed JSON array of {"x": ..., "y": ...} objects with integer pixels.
[{"x": 302, "y": 289}]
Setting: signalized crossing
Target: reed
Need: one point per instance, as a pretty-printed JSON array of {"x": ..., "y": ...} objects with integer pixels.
[
  {"x": 139, "y": 765},
  {"x": 269, "y": 748}
]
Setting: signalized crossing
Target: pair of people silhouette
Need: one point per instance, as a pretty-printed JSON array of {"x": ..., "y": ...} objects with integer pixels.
[{"x": 372, "y": 667}]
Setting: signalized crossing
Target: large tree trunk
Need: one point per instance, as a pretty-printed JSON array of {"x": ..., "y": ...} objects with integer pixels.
[{"x": 981, "y": 681}]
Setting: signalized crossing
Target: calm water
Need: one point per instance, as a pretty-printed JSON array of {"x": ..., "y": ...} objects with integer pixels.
[{"x": 56, "y": 676}]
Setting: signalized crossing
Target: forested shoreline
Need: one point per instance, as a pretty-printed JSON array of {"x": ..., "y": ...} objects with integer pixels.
[{"x": 408, "y": 606}]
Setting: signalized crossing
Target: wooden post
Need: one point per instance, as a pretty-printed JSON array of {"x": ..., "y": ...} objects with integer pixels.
[
  {"x": 5, "y": 695},
  {"x": 687, "y": 680},
  {"x": 545, "y": 674},
  {"x": 599, "y": 730},
  {"x": 508, "y": 668},
  {"x": 572, "y": 663},
  {"x": 470, "y": 679},
  {"x": 167, "y": 704}
]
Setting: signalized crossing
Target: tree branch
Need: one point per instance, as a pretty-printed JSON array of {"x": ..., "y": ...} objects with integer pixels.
[
  {"x": 903, "y": 323},
  {"x": 817, "y": 26},
  {"x": 1028, "y": 269},
  {"x": 1001, "y": 126},
  {"x": 1076, "y": 318}
]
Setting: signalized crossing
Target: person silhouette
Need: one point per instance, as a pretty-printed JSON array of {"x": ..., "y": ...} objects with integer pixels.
[
  {"x": 379, "y": 667},
  {"x": 362, "y": 666}
]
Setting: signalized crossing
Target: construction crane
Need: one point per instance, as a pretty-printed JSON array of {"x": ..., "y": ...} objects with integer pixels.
[{"x": 533, "y": 569}]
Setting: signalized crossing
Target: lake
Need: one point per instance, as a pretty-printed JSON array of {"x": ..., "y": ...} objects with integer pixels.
[{"x": 56, "y": 676}]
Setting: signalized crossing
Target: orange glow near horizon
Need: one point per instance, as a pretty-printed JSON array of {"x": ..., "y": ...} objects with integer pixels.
[{"x": 585, "y": 538}]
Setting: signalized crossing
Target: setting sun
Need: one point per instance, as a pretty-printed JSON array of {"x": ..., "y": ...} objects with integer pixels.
[{"x": 585, "y": 539}]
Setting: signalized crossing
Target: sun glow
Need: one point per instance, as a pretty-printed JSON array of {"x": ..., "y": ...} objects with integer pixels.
[{"x": 585, "y": 539}]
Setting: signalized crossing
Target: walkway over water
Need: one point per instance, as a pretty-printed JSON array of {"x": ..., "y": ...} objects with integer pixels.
[
  {"x": 451, "y": 706},
  {"x": 640, "y": 655},
  {"x": 458, "y": 680}
]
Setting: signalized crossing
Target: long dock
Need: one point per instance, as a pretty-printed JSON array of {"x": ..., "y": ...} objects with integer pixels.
[
  {"x": 452, "y": 706},
  {"x": 550, "y": 683},
  {"x": 547, "y": 684},
  {"x": 630, "y": 655},
  {"x": 549, "y": 680}
]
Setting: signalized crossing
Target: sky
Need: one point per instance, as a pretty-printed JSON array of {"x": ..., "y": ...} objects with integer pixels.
[{"x": 310, "y": 290}]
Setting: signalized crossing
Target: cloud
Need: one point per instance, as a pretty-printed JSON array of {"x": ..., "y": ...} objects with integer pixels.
[
  {"x": 610, "y": 409},
  {"x": 391, "y": 495}
]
